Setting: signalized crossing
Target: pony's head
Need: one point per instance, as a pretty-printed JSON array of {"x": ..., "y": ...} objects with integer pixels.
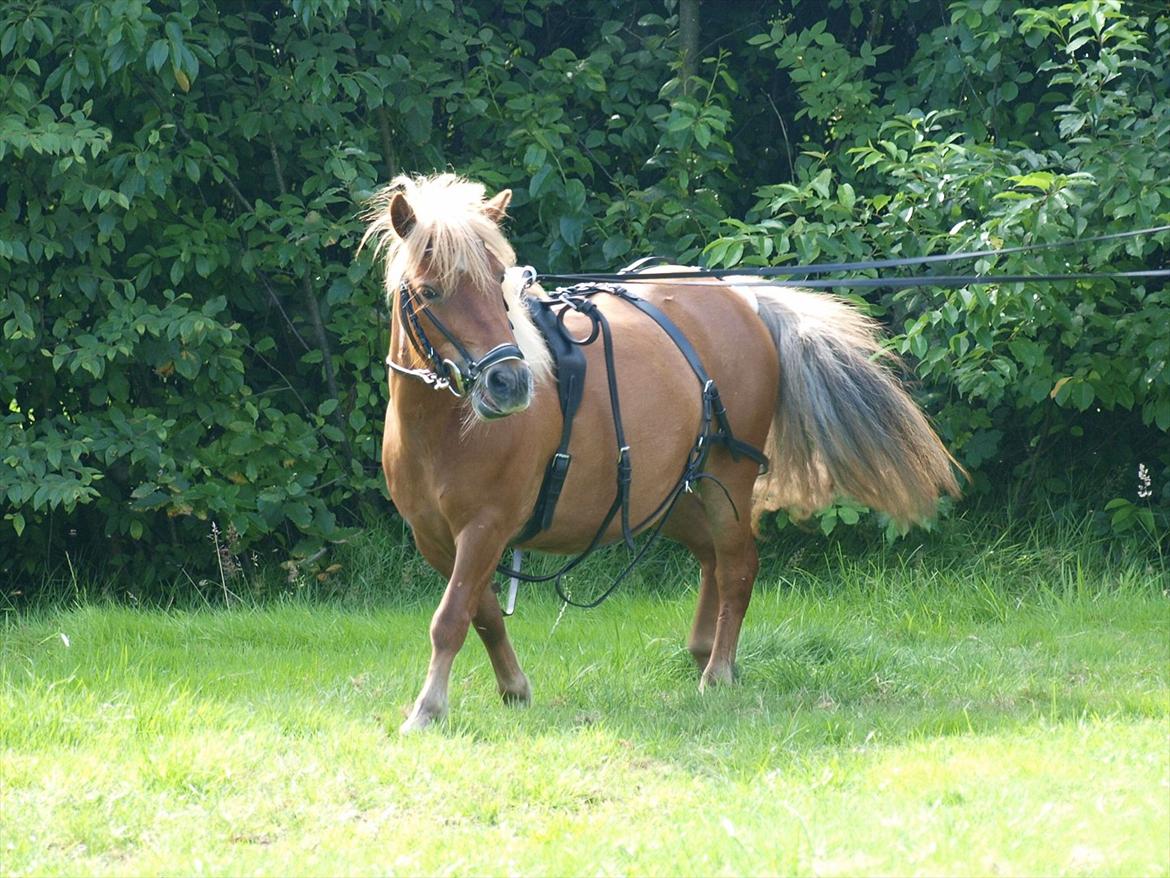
[{"x": 446, "y": 260}]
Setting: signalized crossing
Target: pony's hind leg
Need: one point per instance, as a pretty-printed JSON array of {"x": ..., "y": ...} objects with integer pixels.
[
  {"x": 702, "y": 637},
  {"x": 736, "y": 566},
  {"x": 735, "y": 572},
  {"x": 688, "y": 525}
]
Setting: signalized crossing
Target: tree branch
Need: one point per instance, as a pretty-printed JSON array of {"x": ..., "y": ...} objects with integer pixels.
[{"x": 688, "y": 34}]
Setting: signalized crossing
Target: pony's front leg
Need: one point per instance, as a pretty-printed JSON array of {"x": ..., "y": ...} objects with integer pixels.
[
  {"x": 477, "y": 550},
  {"x": 489, "y": 624}
]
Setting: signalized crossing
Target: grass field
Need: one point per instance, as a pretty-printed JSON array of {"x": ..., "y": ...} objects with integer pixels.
[{"x": 990, "y": 706}]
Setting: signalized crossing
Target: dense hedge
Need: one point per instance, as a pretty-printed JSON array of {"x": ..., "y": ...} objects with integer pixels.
[{"x": 187, "y": 338}]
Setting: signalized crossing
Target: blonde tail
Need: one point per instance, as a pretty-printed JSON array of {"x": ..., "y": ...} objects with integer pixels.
[{"x": 843, "y": 424}]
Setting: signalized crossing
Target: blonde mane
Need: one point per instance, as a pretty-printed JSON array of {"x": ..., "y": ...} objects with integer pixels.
[{"x": 452, "y": 233}]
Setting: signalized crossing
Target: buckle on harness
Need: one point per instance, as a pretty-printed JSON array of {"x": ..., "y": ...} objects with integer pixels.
[{"x": 625, "y": 470}]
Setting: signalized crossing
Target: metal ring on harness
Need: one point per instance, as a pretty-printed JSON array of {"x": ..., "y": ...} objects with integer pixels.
[
  {"x": 590, "y": 312},
  {"x": 454, "y": 378}
]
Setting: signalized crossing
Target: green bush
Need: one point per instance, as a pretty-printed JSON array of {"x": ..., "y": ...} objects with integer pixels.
[
  {"x": 1035, "y": 378},
  {"x": 187, "y": 338}
]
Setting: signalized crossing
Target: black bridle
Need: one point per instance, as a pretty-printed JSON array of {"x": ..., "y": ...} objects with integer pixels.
[{"x": 443, "y": 373}]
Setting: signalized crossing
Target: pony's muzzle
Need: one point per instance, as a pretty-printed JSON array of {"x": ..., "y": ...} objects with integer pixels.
[{"x": 503, "y": 389}]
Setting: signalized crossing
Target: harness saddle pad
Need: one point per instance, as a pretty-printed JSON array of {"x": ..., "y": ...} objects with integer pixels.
[{"x": 569, "y": 368}]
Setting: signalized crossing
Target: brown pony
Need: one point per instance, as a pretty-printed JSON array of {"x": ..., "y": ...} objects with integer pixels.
[{"x": 799, "y": 374}]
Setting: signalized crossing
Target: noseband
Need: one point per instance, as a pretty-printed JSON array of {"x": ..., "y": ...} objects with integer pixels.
[{"x": 444, "y": 373}]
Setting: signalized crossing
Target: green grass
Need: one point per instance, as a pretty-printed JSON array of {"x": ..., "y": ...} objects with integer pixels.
[{"x": 979, "y": 707}]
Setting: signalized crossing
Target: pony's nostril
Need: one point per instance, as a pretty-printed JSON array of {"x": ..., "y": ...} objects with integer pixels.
[
  {"x": 508, "y": 386},
  {"x": 500, "y": 382}
]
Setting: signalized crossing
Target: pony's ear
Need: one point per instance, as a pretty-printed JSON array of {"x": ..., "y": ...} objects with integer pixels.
[
  {"x": 497, "y": 208},
  {"x": 401, "y": 215}
]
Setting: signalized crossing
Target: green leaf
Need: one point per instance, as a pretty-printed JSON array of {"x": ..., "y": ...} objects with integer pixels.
[
  {"x": 828, "y": 521},
  {"x": 158, "y": 54},
  {"x": 299, "y": 514},
  {"x": 7, "y": 41},
  {"x": 1042, "y": 180},
  {"x": 571, "y": 228},
  {"x": 535, "y": 157},
  {"x": 539, "y": 181},
  {"x": 575, "y": 194},
  {"x": 144, "y": 490},
  {"x": 615, "y": 247},
  {"x": 820, "y": 183}
]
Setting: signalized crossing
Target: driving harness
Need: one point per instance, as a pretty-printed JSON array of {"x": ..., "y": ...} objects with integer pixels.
[{"x": 569, "y": 364}]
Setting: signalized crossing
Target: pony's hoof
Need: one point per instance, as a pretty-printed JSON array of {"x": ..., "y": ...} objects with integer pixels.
[
  {"x": 518, "y": 696},
  {"x": 418, "y": 720},
  {"x": 723, "y": 676},
  {"x": 702, "y": 658},
  {"x": 413, "y": 725}
]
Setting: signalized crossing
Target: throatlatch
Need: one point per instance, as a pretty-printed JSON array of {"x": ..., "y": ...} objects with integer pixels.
[{"x": 714, "y": 428}]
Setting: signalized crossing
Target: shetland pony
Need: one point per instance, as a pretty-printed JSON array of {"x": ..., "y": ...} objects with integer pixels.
[{"x": 473, "y": 419}]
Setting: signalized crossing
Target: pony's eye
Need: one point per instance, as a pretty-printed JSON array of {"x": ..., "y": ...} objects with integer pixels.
[{"x": 430, "y": 293}]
